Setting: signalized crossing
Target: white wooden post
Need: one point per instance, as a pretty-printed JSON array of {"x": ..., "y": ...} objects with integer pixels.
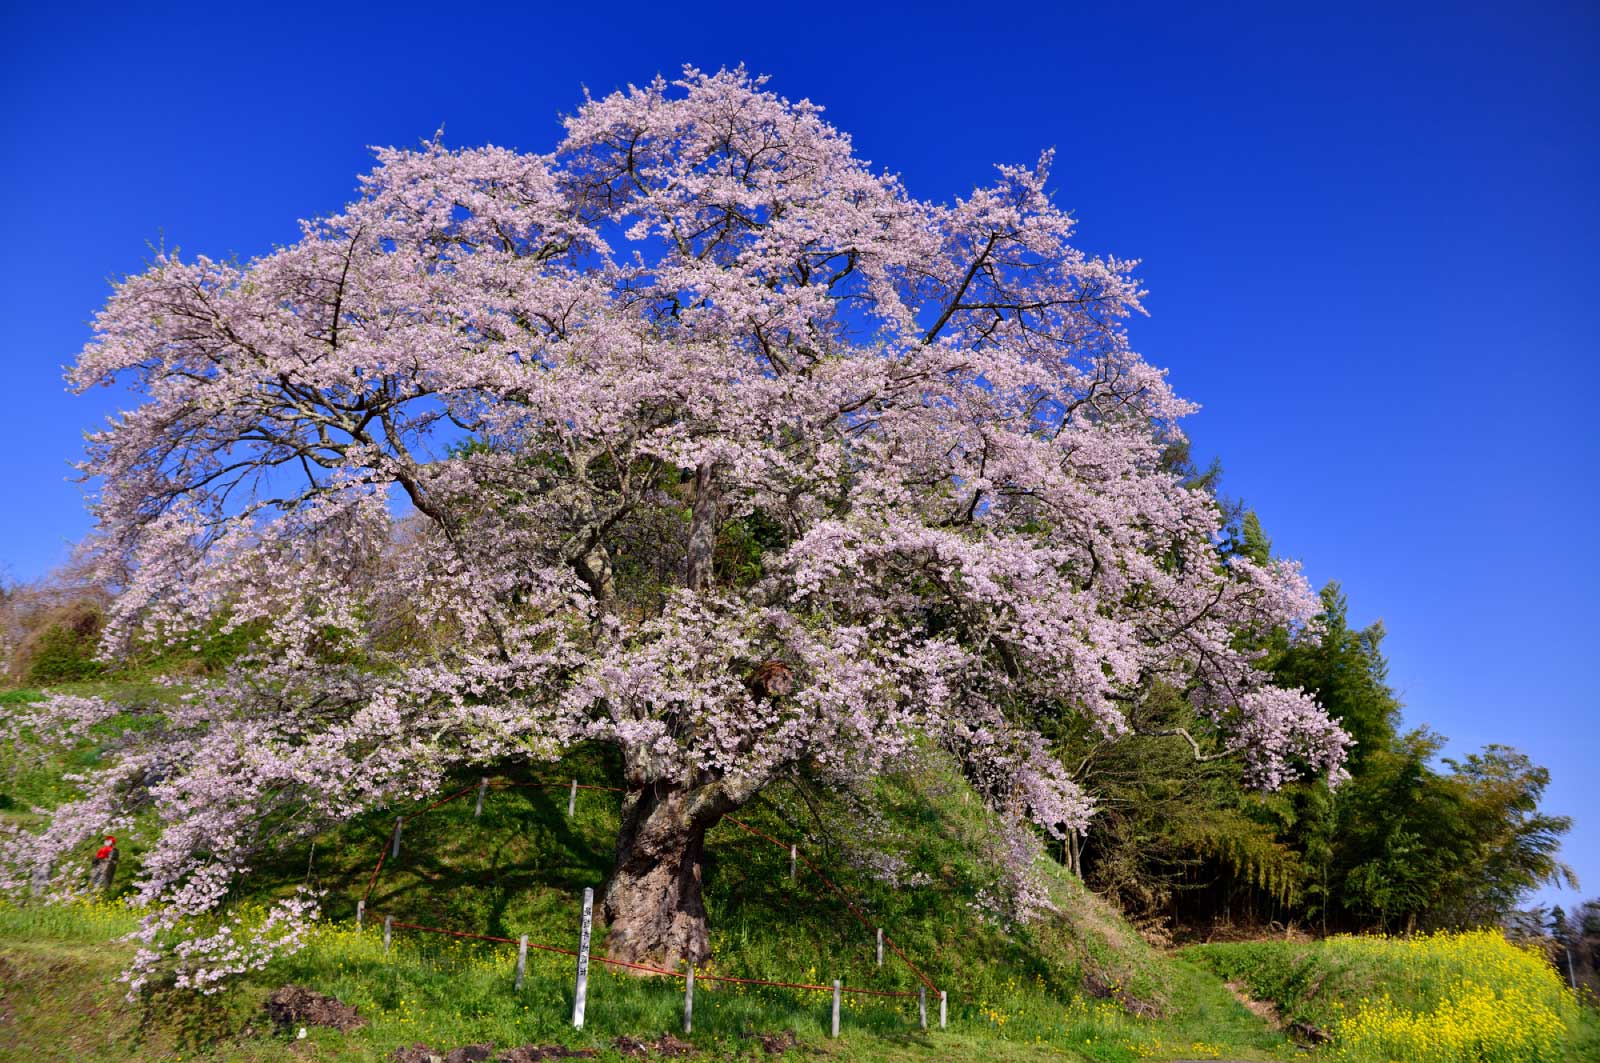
[
  {"x": 943, "y": 1000},
  {"x": 361, "y": 910},
  {"x": 394, "y": 849},
  {"x": 880, "y": 946},
  {"x": 688, "y": 1000},
  {"x": 922, "y": 1006},
  {"x": 792, "y": 855},
  {"x": 388, "y": 926},
  {"x": 582, "y": 989},
  {"x": 522, "y": 961},
  {"x": 483, "y": 784},
  {"x": 572, "y": 801},
  {"x": 836, "y": 1007}
]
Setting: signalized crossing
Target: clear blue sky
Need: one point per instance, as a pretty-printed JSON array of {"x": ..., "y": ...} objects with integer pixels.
[{"x": 1370, "y": 235}]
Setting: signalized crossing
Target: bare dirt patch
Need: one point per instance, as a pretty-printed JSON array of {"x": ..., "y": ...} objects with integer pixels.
[
  {"x": 665, "y": 1045},
  {"x": 484, "y": 1053},
  {"x": 537, "y": 1054},
  {"x": 776, "y": 1044},
  {"x": 1262, "y": 1009},
  {"x": 294, "y": 1005}
]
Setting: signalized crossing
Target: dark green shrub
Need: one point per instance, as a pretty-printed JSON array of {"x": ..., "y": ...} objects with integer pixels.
[{"x": 63, "y": 649}]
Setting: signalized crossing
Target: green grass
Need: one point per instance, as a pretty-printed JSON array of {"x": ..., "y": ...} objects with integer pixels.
[
  {"x": 1061, "y": 987},
  {"x": 521, "y": 867},
  {"x": 59, "y": 966}
]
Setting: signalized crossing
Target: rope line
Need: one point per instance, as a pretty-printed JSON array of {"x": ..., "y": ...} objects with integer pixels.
[
  {"x": 445, "y": 800},
  {"x": 373, "y": 879},
  {"x": 812, "y": 867},
  {"x": 397, "y": 925}
]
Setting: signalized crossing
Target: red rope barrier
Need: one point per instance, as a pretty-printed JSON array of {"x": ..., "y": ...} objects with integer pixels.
[
  {"x": 800, "y": 985},
  {"x": 459, "y": 934},
  {"x": 373, "y": 879},
  {"x": 639, "y": 967},
  {"x": 443, "y": 800},
  {"x": 395, "y": 924}
]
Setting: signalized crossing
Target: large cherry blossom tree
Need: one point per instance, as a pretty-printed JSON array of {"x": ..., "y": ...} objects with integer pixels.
[{"x": 698, "y": 437}]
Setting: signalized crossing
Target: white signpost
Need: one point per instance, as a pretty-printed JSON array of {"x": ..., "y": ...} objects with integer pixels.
[
  {"x": 583, "y": 959},
  {"x": 688, "y": 1000}
]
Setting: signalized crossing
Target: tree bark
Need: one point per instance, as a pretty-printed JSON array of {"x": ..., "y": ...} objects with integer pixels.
[{"x": 652, "y": 903}]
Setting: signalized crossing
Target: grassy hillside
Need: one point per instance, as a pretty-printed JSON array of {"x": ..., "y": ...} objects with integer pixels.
[{"x": 1080, "y": 982}]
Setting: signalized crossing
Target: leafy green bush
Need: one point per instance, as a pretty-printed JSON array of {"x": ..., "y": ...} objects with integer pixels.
[{"x": 63, "y": 650}]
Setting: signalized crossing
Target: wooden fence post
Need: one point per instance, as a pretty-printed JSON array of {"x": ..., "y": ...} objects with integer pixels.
[
  {"x": 688, "y": 1000},
  {"x": 361, "y": 910},
  {"x": 582, "y": 989},
  {"x": 394, "y": 849},
  {"x": 572, "y": 801},
  {"x": 483, "y": 784},
  {"x": 922, "y": 1006},
  {"x": 522, "y": 961},
  {"x": 836, "y": 1007},
  {"x": 880, "y": 946},
  {"x": 943, "y": 1000},
  {"x": 388, "y": 926}
]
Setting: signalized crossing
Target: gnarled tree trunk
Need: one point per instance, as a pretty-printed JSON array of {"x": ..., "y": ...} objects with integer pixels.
[{"x": 652, "y": 902}]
